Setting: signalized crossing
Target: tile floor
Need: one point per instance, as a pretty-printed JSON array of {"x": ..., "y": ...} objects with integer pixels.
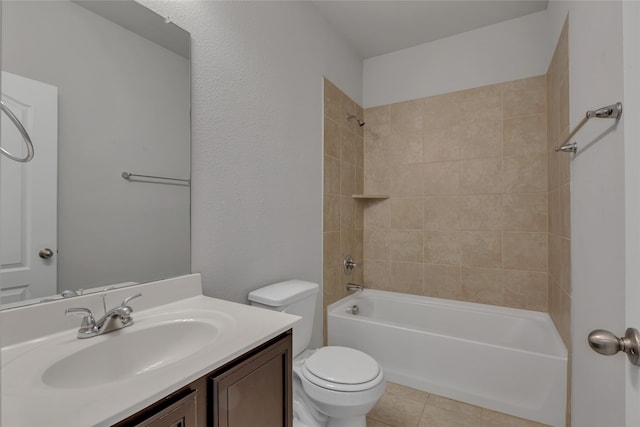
[{"x": 407, "y": 407}]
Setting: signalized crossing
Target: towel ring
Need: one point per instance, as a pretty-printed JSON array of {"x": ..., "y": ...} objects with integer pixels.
[{"x": 23, "y": 132}]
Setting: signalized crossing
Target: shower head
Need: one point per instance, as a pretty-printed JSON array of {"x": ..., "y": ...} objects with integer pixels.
[{"x": 360, "y": 121}]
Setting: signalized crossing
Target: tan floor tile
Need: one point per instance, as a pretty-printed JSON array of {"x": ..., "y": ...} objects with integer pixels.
[
  {"x": 407, "y": 392},
  {"x": 455, "y": 406},
  {"x": 497, "y": 419},
  {"x": 397, "y": 411},
  {"x": 433, "y": 416},
  {"x": 374, "y": 423}
]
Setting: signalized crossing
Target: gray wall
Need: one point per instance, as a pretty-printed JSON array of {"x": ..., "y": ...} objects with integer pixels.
[
  {"x": 257, "y": 71},
  {"x": 123, "y": 105}
]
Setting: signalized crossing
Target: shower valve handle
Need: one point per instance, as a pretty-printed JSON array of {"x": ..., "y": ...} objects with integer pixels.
[{"x": 349, "y": 265}]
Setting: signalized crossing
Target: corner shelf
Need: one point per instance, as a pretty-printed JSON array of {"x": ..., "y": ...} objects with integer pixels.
[{"x": 369, "y": 196}]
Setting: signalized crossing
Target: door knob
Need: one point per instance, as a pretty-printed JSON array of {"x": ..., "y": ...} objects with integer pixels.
[
  {"x": 605, "y": 342},
  {"x": 45, "y": 253}
]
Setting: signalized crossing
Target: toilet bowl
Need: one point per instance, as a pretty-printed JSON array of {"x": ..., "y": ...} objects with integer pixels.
[
  {"x": 342, "y": 383},
  {"x": 332, "y": 386}
]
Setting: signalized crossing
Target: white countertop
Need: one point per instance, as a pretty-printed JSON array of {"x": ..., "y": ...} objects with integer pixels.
[{"x": 28, "y": 402}]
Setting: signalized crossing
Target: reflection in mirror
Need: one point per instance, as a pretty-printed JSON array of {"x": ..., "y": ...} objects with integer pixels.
[{"x": 103, "y": 87}]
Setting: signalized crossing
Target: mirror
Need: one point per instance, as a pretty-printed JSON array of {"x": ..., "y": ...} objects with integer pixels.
[{"x": 103, "y": 87}]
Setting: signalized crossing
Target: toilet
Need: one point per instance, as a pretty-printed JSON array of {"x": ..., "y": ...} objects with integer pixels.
[{"x": 332, "y": 386}]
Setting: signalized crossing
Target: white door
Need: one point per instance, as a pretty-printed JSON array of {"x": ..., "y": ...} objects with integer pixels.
[
  {"x": 631, "y": 41},
  {"x": 28, "y": 204}
]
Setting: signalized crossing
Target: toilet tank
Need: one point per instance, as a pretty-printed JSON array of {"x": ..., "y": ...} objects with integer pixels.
[{"x": 293, "y": 297}]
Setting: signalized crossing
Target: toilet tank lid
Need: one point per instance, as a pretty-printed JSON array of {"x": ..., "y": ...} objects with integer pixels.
[{"x": 283, "y": 293}]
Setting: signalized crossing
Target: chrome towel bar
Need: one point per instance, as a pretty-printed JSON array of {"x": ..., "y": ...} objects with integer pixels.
[
  {"x": 613, "y": 111},
  {"x": 129, "y": 175},
  {"x": 23, "y": 132}
]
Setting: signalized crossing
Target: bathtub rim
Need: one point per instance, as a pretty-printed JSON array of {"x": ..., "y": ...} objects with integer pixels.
[{"x": 562, "y": 352}]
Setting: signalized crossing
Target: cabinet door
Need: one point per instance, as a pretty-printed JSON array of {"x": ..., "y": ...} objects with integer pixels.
[
  {"x": 256, "y": 391},
  {"x": 181, "y": 413}
]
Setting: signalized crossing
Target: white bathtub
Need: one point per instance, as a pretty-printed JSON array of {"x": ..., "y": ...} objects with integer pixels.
[{"x": 504, "y": 359}]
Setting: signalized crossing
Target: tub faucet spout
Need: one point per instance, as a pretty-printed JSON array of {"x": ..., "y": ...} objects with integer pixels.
[{"x": 354, "y": 287}]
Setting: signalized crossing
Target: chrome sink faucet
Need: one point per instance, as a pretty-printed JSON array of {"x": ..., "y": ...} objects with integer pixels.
[{"x": 117, "y": 318}]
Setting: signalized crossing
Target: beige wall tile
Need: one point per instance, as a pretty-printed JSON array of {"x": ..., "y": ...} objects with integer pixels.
[
  {"x": 332, "y": 101},
  {"x": 406, "y": 148},
  {"x": 526, "y": 174},
  {"x": 331, "y": 138},
  {"x": 524, "y": 97},
  {"x": 359, "y": 180},
  {"x": 565, "y": 211},
  {"x": 481, "y": 176},
  {"x": 378, "y": 121},
  {"x": 377, "y": 215},
  {"x": 525, "y": 251},
  {"x": 554, "y": 211},
  {"x": 481, "y": 249},
  {"x": 481, "y": 212},
  {"x": 406, "y": 277},
  {"x": 442, "y": 247},
  {"x": 481, "y": 104},
  {"x": 525, "y": 289},
  {"x": 442, "y": 111},
  {"x": 525, "y": 212},
  {"x": 348, "y": 147},
  {"x": 377, "y": 274},
  {"x": 406, "y": 180},
  {"x": 331, "y": 175},
  {"x": 442, "y": 281},
  {"x": 482, "y": 285},
  {"x": 564, "y": 256},
  {"x": 441, "y": 127},
  {"x": 331, "y": 281},
  {"x": 442, "y": 213},
  {"x": 406, "y": 117},
  {"x": 442, "y": 178},
  {"x": 377, "y": 181},
  {"x": 407, "y": 213},
  {"x": 480, "y": 139},
  {"x": 358, "y": 214},
  {"x": 405, "y": 245},
  {"x": 377, "y": 150},
  {"x": 554, "y": 258},
  {"x": 376, "y": 244},
  {"x": 525, "y": 136},
  {"x": 331, "y": 214},
  {"x": 347, "y": 179},
  {"x": 331, "y": 250},
  {"x": 347, "y": 213},
  {"x": 441, "y": 144}
]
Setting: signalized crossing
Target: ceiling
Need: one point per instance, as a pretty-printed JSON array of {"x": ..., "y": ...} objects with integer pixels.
[{"x": 374, "y": 28}]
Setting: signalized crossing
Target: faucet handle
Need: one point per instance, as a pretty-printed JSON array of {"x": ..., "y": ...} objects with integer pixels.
[
  {"x": 127, "y": 299},
  {"x": 88, "y": 320}
]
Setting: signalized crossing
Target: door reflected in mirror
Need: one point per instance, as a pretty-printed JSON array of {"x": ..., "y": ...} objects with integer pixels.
[{"x": 103, "y": 87}]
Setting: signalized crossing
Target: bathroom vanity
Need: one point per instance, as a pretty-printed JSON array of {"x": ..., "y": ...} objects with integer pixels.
[
  {"x": 188, "y": 360},
  {"x": 252, "y": 390}
]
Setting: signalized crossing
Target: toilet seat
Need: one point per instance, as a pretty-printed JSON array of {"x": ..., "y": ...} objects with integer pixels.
[{"x": 342, "y": 369}]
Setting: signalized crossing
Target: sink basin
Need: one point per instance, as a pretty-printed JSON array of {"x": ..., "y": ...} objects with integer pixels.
[{"x": 129, "y": 352}]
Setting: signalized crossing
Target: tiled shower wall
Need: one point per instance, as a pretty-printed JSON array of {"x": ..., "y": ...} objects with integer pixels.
[
  {"x": 559, "y": 189},
  {"x": 467, "y": 216},
  {"x": 343, "y": 177}
]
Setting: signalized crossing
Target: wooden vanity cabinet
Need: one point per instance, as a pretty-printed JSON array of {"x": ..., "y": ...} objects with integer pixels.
[{"x": 253, "y": 390}]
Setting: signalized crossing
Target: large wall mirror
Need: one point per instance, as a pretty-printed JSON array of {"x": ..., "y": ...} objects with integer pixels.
[{"x": 103, "y": 87}]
